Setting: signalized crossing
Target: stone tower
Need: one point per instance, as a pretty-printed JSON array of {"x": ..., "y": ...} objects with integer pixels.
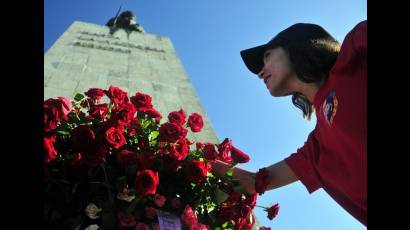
[{"x": 124, "y": 55}]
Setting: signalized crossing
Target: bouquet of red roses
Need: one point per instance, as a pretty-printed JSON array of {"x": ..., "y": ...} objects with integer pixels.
[{"x": 114, "y": 165}]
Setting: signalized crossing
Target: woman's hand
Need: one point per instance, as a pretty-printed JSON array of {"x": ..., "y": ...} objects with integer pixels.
[{"x": 245, "y": 178}]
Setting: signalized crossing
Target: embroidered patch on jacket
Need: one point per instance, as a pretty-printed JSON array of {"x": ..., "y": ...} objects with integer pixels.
[{"x": 329, "y": 107}]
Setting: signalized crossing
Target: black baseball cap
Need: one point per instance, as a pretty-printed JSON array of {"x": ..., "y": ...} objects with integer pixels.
[{"x": 300, "y": 32}]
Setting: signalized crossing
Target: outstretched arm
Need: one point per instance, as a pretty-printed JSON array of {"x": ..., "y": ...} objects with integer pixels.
[{"x": 279, "y": 175}]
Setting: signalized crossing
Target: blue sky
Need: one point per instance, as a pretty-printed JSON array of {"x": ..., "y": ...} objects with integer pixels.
[{"x": 208, "y": 36}]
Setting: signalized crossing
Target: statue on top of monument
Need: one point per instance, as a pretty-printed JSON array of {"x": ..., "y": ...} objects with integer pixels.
[{"x": 126, "y": 20}]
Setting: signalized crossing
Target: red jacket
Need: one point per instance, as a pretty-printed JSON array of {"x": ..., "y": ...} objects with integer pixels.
[{"x": 334, "y": 157}]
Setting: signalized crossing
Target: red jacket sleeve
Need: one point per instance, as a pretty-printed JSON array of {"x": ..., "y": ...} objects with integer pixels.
[{"x": 302, "y": 163}]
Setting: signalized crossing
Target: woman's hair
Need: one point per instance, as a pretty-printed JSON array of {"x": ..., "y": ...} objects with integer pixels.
[{"x": 312, "y": 61}]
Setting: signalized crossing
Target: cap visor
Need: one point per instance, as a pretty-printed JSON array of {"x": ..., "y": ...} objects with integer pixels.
[{"x": 253, "y": 58}]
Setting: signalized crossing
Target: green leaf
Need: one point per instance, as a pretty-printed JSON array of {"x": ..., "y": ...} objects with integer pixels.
[
  {"x": 153, "y": 135},
  {"x": 79, "y": 97},
  {"x": 63, "y": 132},
  {"x": 220, "y": 196},
  {"x": 229, "y": 172}
]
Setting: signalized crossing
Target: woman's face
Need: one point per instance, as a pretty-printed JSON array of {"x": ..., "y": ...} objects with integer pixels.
[{"x": 277, "y": 72}]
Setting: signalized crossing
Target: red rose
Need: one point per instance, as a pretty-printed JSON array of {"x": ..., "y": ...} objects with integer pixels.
[
  {"x": 176, "y": 203},
  {"x": 99, "y": 112},
  {"x": 210, "y": 153},
  {"x": 153, "y": 113},
  {"x": 52, "y": 114},
  {"x": 198, "y": 227},
  {"x": 238, "y": 156},
  {"x": 177, "y": 117},
  {"x": 245, "y": 211},
  {"x": 95, "y": 93},
  {"x": 49, "y": 151},
  {"x": 195, "y": 122},
  {"x": 196, "y": 171},
  {"x": 83, "y": 138},
  {"x": 199, "y": 145},
  {"x": 95, "y": 156},
  {"x": 142, "y": 226},
  {"x": 188, "y": 217},
  {"x": 146, "y": 182},
  {"x": 65, "y": 106},
  {"x": 126, "y": 220},
  {"x": 117, "y": 95},
  {"x": 145, "y": 160},
  {"x": 170, "y": 164},
  {"x": 114, "y": 137},
  {"x": 224, "y": 149},
  {"x": 142, "y": 101},
  {"x": 244, "y": 223},
  {"x": 123, "y": 114},
  {"x": 244, "y": 220},
  {"x": 261, "y": 181},
  {"x": 126, "y": 157},
  {"x": 150, "y": 213},
  {"x": 179, "y": 150},
  {"x": 159, "y": 200},
  {"x": 273, "y": 211},
  {"x": 132, "y": 128},
  {"x": 170, "y": 132}
]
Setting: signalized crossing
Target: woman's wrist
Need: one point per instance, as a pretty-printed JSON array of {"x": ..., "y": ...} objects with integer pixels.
[{"x": 262, "y": 180}]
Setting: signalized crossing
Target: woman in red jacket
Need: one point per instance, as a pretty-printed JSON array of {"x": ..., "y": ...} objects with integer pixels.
[{"x": 323, "y": 77}]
